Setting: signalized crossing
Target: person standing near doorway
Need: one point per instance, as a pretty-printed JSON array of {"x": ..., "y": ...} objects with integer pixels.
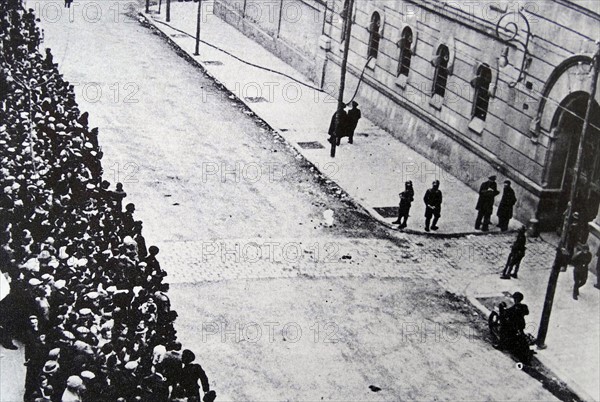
[
  {"x": 505, "y": 209},
  {"x": 485, "y": 204}
]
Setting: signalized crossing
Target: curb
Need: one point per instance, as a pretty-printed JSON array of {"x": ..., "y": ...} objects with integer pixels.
[
  {"x": 146, "y": 21},
  {"x": 543, "y": 360}
]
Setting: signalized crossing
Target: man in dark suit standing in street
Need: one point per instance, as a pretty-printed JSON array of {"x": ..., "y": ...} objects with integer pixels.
[
  {"x": 354, "y": 116},
  {"x": 505, "y": 209},
  {"x": 485, "y": 204},
  {"x": 433, "y": 205},
  {"x": 339, "y": 125}
]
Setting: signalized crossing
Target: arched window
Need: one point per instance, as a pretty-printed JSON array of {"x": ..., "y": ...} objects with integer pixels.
[
  {"x": 440, "y": 78},
  {"x": 406, "y": 41},
  {"x": 374, "y": 35},
  {"x": 481, "y": 83}
]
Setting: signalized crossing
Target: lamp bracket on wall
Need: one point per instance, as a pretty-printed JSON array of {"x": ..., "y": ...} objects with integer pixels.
[{"x": 514, "y": 29}]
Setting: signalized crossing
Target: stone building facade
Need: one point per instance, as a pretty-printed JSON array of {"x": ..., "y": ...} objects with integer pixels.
[{"x": 493, "y": 87}]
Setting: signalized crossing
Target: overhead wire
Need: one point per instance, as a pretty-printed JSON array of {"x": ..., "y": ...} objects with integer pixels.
[{"x": 466, "y": 55}]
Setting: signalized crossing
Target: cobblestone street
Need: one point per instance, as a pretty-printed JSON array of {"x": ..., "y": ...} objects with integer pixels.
[
  {"x": 452, "y": 263},
  {"x": 277, "y": 303}
]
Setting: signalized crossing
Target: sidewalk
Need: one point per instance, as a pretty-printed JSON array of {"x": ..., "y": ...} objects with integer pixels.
[
  {"x": 372, "y": 171},
  {"x": 12, "y": 374},
  {"x": 573, "y": 340}
]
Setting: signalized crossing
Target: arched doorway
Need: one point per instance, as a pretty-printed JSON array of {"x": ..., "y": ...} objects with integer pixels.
[{"x": 567, "y": 125}]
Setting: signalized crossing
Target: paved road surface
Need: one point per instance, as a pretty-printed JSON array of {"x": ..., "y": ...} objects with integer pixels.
[{"x": 277, "y": 305}]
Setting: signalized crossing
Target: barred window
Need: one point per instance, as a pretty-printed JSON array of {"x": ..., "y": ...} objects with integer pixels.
[
  {"x": 374, "y": 35},
  {"x": 481, "y": 83},
  {"x": 440, "y": 78},
  {"x": 406, "y": 41}
]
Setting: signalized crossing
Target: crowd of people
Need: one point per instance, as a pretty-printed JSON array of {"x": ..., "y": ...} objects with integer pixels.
[{"x": 87, "y": 298}]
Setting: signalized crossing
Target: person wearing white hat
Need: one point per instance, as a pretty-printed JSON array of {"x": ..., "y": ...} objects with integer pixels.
[{"x": 72, "y": 393}]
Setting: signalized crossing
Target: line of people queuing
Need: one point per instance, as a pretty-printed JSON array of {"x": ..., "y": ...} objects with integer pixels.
[{"x": 80, "y": 288}]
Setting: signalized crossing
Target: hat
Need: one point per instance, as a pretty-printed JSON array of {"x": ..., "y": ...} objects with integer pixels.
[
  {"x": 59, "y": 284},
  {"x": 44, "y": 255},
  {"x": 35, "y": 282},
  {"x": 50, "y": 367},
  {"x": 187, "y": 356},
  {"x": 74, "y": 381},
  {"x": 517, "y": 296},
  {"x": 492, "y": 177},
  {"x": 128, "y": 240},
  {"x": 354, "y": 103},
  {"x": 32, "y": 264},
  {"x": 92, "y": 295},
  {"x": 88, "y": 375},
  {"x": 85, "y": 312},
  {"x": 131, "y": 365},
  {"x": 507, "y": 182},
  {"x": 54, "y": 353},
  {"x": 62, "y": 253},
  {"x": 47, "y": 277},
  {"x": 82, "y": 330}
]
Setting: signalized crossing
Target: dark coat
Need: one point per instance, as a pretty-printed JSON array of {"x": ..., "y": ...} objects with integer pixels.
[
  {"x": 354, "y": 116},
  {"x": 515, "y": 317},
  {"x": 341, "y": 129},
  {"x": 487, "y": 192},
  {"x": 580, "y": 262},
  {"x": 508, "y": 200},
  {"x": 406, "y": 199},
  {"x": 433, "y": 197}
]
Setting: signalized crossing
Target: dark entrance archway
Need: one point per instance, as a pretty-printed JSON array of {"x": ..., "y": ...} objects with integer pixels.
[{"x": 567, "y": 126}]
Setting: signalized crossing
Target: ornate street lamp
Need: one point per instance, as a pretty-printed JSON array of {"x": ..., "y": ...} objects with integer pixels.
[{"x": 509, "y": 30}]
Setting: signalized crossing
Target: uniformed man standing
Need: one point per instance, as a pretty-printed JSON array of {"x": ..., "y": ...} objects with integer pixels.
[
  {"x": 485, "y": 204},
  {"x": 580, "y": 261},
  {"x": 339, "y": 125},
  {"x": 354, "y": 116},
  {"x": 406, "y": 199},
  {"x": 505, "y": 208},
  {"x": 433, "y": 205}
]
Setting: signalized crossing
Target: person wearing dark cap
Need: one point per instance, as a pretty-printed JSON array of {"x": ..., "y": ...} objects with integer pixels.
[
  {"x": 485, "y": 204},
  {"x": 433, "y": 205},
  {"x": 190, "y": 374},
  {"x": 577, "y": 233},
  {"x": 354, "y": 116},
  {"x": 580, "y": 261},
  {"x": 128, "y": 220},
  {"x": 517, "y": 252},
  {"x": 339, "y": 124},
  {"x": 406, "y": 199},
  {"x": 505, "y": 208},
  {"x": 118, "y": 195},
  {"x": 513, "y": 320}
]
